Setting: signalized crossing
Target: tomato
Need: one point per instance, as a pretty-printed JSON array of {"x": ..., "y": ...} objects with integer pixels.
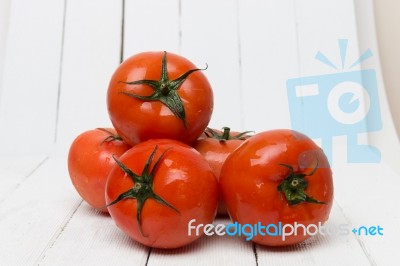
[
  {"x": 155, "y": 95},
  {"x": 90, "y": 160},
  {"x": 278, "y": 177},
  {"x": 157, "y": 188},
  {"x": 215, "y": 146}
]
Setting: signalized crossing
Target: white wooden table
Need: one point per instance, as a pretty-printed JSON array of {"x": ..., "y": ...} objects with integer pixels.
[{"x": 56, "y": 60}]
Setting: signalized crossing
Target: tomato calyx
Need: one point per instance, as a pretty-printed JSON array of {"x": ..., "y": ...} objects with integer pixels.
[
  {"x": 142, "y": 189},
  {"x": 294, "y": 186},
  {"x": 225, "y": 135},
  {"x": 165, "y": 90},
  {"x": 111, "y": 137}
]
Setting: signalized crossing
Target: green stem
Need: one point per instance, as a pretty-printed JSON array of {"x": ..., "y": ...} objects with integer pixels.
[
  {"x": 165, "y": 90},
  {"x": 294, "y": 185},
  {"x": 226, "y": 134},
  {"x": 142, "y": 188},
  {"x": 111, "y": 137}
]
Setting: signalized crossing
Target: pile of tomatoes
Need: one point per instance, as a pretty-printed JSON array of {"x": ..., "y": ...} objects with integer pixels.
[{"x": 160, "y": 167}]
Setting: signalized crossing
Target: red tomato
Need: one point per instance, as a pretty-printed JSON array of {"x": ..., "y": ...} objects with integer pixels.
[
  {"x": 90, "y": 160},
  {"x": 215, "y": 146},
  {"x": 278, "y": 176},
  {"x": 157, "y": 188},
  {"x": 155, "y": 95}
]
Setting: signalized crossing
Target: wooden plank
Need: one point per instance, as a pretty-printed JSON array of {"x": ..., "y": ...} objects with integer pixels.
[
  {"x": 36, "y": 212},
  {"x": 319, "y": 28},
  {"x": 319, "y": 249},
  {"x": 31, "y": 75},
  {"x": 367, "y": 193},
  {"x": 269, "y": 56},
  {"x": 210, "y": 35},
  {"x": 15, "y": 169},
  {"x": 151, "y": 25},
  {"x": 92, "y": 238},
  {"x": 44, "y": 204},
  {"x": 4, "y": 25},
  {"x": 208, "y": 250},
  {"x": 91, "y": 54},
  {"x": 20, "y": 166}
]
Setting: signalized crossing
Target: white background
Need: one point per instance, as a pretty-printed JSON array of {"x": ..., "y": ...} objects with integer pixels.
[{"x": 57, "y": 56}]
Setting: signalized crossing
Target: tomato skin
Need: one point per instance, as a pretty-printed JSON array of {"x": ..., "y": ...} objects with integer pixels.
[
  {"x": 251, "y": 174},
  {"x": 183, "y": 179},
  {"x": 137, "y": 120},
  {"x": 89, "y": 162},
  {"x": 215, "y": 152}
]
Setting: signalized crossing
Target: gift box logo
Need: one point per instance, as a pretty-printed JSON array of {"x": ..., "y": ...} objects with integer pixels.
[{"x": 345, "y": 103}]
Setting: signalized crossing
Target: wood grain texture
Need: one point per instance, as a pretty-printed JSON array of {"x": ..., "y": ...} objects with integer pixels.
[
  {"x": 91, "y": 238},
  {"x": 15, "y": 170},
  {"x": 36, "y": 212},
  {"x": 367, "y": 194},
  {"x": 268, "y": 58},
  {"x": 320, "y": 249},
  {"x": 90, "y": 55},
  {"x": 208, "y": 250},
  {"x": 152, "y": 25},
  {"x": 210, "y": 36},
  {"x": 31, "y": 76}
]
